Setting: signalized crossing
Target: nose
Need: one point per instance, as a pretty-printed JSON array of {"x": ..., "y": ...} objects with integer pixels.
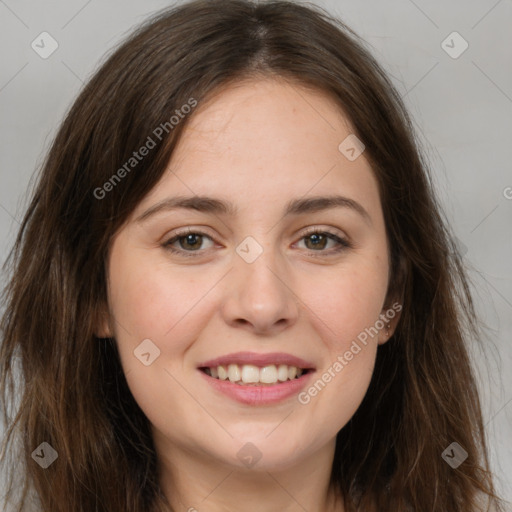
[{"x": 259, "y": 296}]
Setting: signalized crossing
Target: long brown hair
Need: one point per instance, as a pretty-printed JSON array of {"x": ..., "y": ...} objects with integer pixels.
[{"x": 67, "y": 387}]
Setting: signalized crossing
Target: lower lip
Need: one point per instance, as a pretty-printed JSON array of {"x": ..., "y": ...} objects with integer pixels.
[{"x": 258, "y": 395}]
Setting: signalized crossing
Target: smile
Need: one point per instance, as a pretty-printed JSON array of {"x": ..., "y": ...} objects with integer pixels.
[
  {"x": 257, "y": 379},
  {"x": 252, "y": 375}
]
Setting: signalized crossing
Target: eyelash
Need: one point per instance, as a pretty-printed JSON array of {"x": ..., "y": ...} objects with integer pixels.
[{"x": 343, "y": 243}]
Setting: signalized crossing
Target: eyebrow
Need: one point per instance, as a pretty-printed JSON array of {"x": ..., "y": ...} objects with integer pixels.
[{"x": 219, "y": 207}]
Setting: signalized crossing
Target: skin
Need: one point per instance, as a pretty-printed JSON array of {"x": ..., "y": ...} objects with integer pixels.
[{"x": 258, "y": 144}]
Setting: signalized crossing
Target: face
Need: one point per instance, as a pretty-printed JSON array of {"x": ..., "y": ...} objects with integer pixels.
[{"x": 287, "y": 294}]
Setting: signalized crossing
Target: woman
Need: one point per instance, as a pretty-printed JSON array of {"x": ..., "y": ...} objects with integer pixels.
[{"x": 234, "y": 288}]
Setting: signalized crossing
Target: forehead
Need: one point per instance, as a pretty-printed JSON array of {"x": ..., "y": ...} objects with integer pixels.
[
  {"x": 271, "y": 113},
  {"x": 262, "y": 141}
]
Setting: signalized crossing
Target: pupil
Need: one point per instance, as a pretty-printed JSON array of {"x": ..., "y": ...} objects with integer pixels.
[
  {"x": 317, "y": 240},
  {"x": 191, "y": 239}
]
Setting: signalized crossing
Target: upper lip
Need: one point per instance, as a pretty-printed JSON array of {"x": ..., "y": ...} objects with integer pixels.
[{"x": 256, "y": 359}]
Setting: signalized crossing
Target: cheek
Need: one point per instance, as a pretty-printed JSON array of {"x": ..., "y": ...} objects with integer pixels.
[
  {"x": 152, "y": 300},
  {"x": 346, "y": 302},
  {"x": 169, "y": 308},
  {"x": 345, "y": 310},
  {"x": 156, "y": 302}
]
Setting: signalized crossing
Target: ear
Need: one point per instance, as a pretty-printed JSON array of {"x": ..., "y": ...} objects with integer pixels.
[
  {"x": 393, "y": 303},
  {"x": 102, "y": 324},
  {"x": 389, "y": 316}
]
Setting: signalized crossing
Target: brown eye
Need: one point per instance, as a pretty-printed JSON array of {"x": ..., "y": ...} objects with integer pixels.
[
  {"x": 317, "y": 241},
  {"x": 193, "y": 241},
  {"x": 189, "y": 243}
]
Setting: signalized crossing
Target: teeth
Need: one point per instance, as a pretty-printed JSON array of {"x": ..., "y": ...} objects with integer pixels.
[
  {"x": 282, "y": 372},
  {"x": 233, "y": 373},
  {"x": 250, "y": 374},
  {"x": 223, "y": 374},
  {"x": 292, "y": 372},
  {"x": 268, "y": 374}
]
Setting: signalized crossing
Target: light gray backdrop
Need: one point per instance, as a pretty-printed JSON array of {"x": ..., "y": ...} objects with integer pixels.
[{"x": 460, "y": 98}]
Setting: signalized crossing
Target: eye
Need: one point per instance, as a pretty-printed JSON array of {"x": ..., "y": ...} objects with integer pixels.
[
  {"x": 317, "y": 240},
  {"x": 190, "y": 242}
]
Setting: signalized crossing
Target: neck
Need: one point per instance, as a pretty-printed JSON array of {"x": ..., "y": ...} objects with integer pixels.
[{"x": 195, "y": 483}]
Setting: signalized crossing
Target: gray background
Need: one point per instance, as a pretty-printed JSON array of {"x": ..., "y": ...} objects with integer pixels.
[{"x": 462, "y": 108}]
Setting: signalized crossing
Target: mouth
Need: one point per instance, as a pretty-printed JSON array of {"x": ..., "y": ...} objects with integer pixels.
[
  {"x": 257, "y": 379},
  {"x": 253, "y": 375}
]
